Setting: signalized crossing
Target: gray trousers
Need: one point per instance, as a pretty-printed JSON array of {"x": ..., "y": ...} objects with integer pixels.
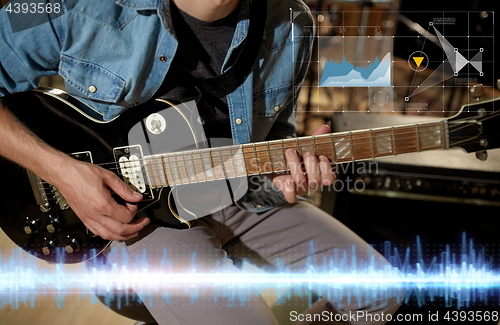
[{"x": 281, "y": 235}]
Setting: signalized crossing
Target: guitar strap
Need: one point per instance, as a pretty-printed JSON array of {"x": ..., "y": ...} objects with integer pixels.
[{"x": 227, "y": 82}]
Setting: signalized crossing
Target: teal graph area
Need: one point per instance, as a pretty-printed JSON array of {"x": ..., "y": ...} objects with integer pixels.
[
  {"x": 345, "y": 74},
  {"x": 355, "y": 61}
]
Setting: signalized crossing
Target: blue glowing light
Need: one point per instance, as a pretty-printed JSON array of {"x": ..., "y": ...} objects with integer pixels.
[{"x": 460, "y": 279}]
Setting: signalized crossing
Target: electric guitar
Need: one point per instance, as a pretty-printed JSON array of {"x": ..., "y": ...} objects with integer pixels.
[{"x": 159, "y": 149}]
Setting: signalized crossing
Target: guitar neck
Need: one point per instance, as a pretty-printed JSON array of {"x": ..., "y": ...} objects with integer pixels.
[{"x": 269, "y": 156}]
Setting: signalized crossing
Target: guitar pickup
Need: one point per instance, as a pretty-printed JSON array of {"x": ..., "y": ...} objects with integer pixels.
[
  {"x": 130, "y": 162},
  {"x": 85, "y": 156}
]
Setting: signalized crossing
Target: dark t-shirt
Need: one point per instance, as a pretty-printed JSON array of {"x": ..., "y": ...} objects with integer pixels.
[{"x": 202, "y": 48}]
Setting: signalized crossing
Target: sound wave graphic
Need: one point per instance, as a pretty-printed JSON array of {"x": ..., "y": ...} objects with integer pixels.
[
  {"x": 460, "y": 278},
  {"x": 344, "y": 74}
]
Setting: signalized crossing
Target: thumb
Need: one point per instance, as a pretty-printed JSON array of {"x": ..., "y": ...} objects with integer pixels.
[{"x": 122, "y": 189}]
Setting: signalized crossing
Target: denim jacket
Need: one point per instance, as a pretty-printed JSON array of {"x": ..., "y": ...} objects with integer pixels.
[{"x": 114, "y": 55}]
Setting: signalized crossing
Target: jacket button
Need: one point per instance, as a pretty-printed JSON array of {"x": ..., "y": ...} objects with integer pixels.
[
  {"x": 239, "y": 121},
  {"x": 277, "y": 108},
  {"x": 163, "y": 58},
  {"x": 92, "y": 89}
]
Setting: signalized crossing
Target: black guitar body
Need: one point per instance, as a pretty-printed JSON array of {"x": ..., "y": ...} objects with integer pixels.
[{"x": 52, "y": 231}]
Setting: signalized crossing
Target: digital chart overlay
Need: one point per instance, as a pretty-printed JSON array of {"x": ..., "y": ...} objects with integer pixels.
[{"x": 363, "y": 65}]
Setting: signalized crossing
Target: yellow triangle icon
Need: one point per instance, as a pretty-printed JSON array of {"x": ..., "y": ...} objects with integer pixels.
[{"x": 418, "y": 60}]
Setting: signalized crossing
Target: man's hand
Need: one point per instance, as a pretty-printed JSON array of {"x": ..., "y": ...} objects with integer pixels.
[
  {"x": 87, "y": 189},
  {"x": 311, "y": 175}
]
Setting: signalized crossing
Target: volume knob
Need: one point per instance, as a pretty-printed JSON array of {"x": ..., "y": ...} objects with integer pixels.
[
  {"x": 49, "y": 245},
  {"x": 73, "y": 245},
  {"x": 32, "y": 226},
  {"x": 55, "y": 223}
]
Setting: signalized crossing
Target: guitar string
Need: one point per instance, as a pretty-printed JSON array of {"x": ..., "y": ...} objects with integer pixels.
[
  {"x": 389, "y": 133},
  {"x": 215, "y": 176},
  {"x": 355, "y": 142},
  {"x": 451, "y": 128},
  {"x": 262, "y": 159},
  {"x": 358, "y": 142}
]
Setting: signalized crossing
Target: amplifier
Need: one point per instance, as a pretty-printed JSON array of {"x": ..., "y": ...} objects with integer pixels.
[
  {"x": 443, "y": 175},
  {"x": 437, "y": 195},
  {"x": 424, "y": 183}
]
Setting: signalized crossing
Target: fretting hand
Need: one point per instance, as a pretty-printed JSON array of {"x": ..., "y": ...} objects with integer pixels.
[{"x": 310, "y": 175}]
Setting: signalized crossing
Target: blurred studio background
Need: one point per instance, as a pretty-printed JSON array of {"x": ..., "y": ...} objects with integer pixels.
[{"x": 439, "y": 56}]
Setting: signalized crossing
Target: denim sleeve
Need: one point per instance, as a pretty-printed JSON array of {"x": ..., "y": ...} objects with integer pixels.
[
  {"x": 27, "y": 54},
  {"x": 285, "y": 125}
]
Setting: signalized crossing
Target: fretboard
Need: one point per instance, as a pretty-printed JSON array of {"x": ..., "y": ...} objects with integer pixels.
[{"x": 188, "y": 167}]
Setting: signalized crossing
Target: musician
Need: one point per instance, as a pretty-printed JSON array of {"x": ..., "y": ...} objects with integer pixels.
[{"x": 114, "y": 55}]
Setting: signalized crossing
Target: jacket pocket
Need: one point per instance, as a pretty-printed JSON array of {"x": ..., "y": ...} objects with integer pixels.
[
  {"x": 108, "y": 12},
  {"x": 88, "y": 80},
  {"x": 271, "y": 102}
]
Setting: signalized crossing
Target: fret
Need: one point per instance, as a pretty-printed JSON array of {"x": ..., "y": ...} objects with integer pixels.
[
  {"x": 352, "y": 146},
  {"x": 371, "y": 139},
  {"x": 159, "y": 171},
  {"x": 362, "y": 145},
  {"x": 283, "y": 149},
  {"x": 277, "y": 155},
  {"x": 192, "y": 173},
  {"x": 168, "y": 170},
  {"x": 270, "y": 158},
  {"x": 297, "y": 146},
  {"x": 334, "y": 153},
  {"x": 343, "y": 151},
  {"x": 240, "y": 162},
  {"x": 162, "y": 175},
  {"x": 323, "y": 146},
  {"x": 394, "y": 141},
  {"x": 306, "y": 145},
  {"x": 149, "y": 171},
  {"x": 198, "y": 167},
  {"x": 208, "y": 167},
  {"x": 181, "y": 166},
  {"x": 383, "y": 146},
  {"x": 222, "y": 163},
  {"x": 248, "y": 157},
  {"x": 226, "y": 162},
  {"x": 284, "y": 167},
  {"x": 173, "y": 161},
  {"x": 406, "y": 139},
  {"x": 146, "y": 170},
  {"x": 156, "y": 173},
  {"x": 314, "y": 145},
  {"x": 263, "y": 157},
  {"x": 218, "y": 169},
  {"x": 418, "y": 139},
  {"x": 233, "y": 162},
  {"x": 431, "y": 136},
  {"x": 290, "y": 144},
  {"x": 256, "y": 158}
]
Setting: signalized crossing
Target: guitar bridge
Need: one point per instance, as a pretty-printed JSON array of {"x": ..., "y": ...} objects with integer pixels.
[{"x": 39, "y": 190}]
